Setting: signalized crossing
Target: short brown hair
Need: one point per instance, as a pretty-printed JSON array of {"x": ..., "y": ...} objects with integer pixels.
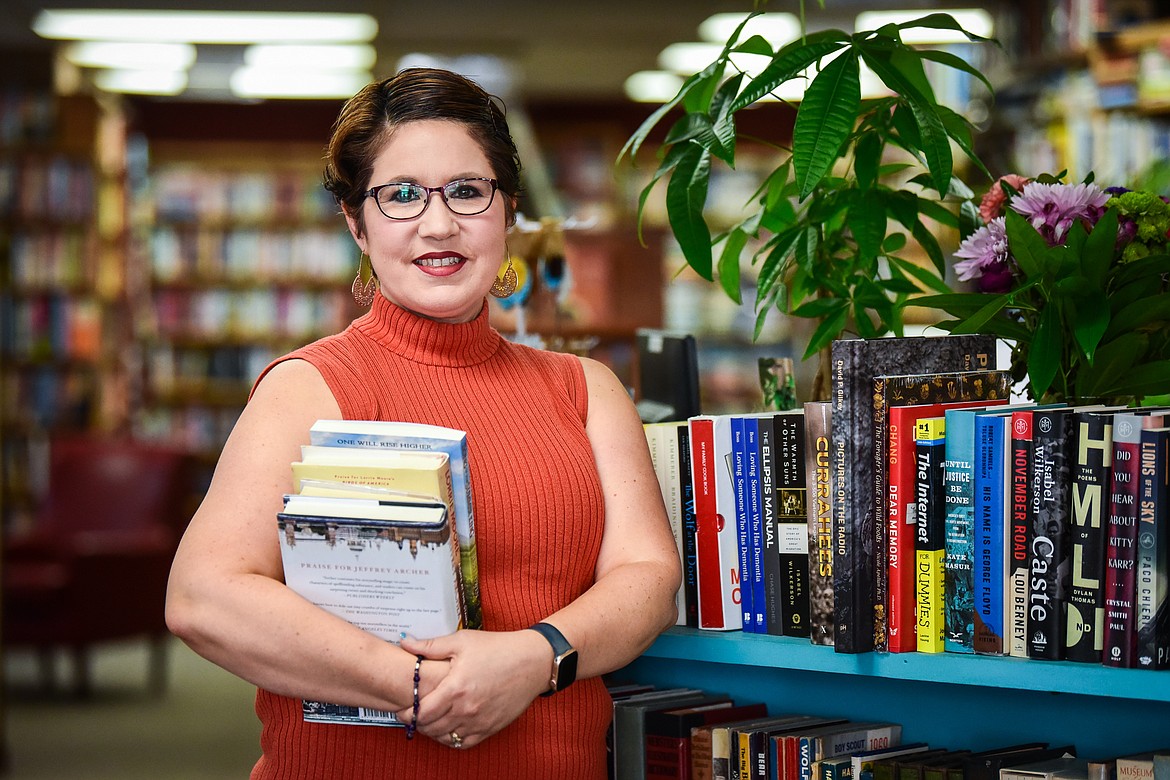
[{"x": 369, "y": 118}]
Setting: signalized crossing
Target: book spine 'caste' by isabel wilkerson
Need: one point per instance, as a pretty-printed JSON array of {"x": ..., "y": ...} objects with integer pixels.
[
  {"x": 1048, "y": 551},
  {"x": 860, "y": 622},
  {"x": 930, "y": 525},
  {"x": 792, "y": 522},
  {"x": 818, "y": 475},
  {"x": 1152, "y": 619},
  {"x": 1092, "y": 458},
  {"x": 1119, "y": 645}
]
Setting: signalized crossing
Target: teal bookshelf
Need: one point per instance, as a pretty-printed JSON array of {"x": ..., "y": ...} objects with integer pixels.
[{"x": 949, "y": 700}]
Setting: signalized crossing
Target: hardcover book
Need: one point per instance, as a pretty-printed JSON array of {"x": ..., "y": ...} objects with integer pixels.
[
  {"x": 668, "y": 734},
  {"x": 629, "y": 725},
  {"x": 389, "y": 568},
  {"x": 770, "y": 542},
  {"x": 737, "y": 463},
  {"x": 860, "y": 623},
  {"x": 716, "y": 533},
  {"x": 1020, "y": 526},
  {"x": 1092, "y": 451},
  {"x": 844, "y": 739},
  {"x": 1049, "y": 561},
  {"x": 862, "y": 763},
  {"x": 929, "y": 529},
  {"x": 780, "y": 756},
  {"x": 1119, "y": 643},
  {"x": 662, "y": 440},
  {"x": 420, "y": 437},
  {"x": 890, "y": 392},
  {"x": 689, "y": 558},
  {"x": 991, "y": 555},
  {"x": 725, "y": 743},
  {"x": 1152, "y": 620},
  {"x": 959, "y": 533},
  {"x": 792, "y": 531},
  {"x": 753, "y": 501},
  {"x": 818, "y": 477},
  {"x": 1063, "y": 768}
]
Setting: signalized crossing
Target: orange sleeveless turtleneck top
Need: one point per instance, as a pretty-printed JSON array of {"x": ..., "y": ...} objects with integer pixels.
[{"x": 538, "y": 518}]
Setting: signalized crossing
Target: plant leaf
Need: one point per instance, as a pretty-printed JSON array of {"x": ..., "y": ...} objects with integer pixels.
[
  {"x": 635, "y": 141},
  {"x": 866, "y": 219},
  {"x": 1145, "y": 379},
  {"x": 774, "y": 266},
  {"x": 828, "y": 330},
  {"x": 1028, "y": 247},
  {"x": 723, "y": 122},
  {"x": 942, "y": 21},
  {"x": 924, "y": 276},
  {"x": 867, "y": 155},
  {"x": 1044, "y": 354},
  {"x": 824, "y": 120},
  {"x": 1114, "y": 359},
  {"x": 1155, "y": 309},
  {"x": 1099, "y": 249},
  {"x": 954, "y": 61},
  {"x": 928, "y": 242},
  {"x": 756, "y": 44},
  {"x": 686, "y": 195},
  {"x": 789, "y": 62},
  {"x": 959, "y": 129},
  {"x": 1090, "y": 319},
  {"x": 728, "y": 267}
]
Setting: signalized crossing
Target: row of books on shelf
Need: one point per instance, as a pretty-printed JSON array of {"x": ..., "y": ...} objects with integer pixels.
[
  {"x": 51, "y": 327},
  {"x": 193, "y": 370},
  {"x": 694, "y": 734},
  {"x": 26, "y": 117},
  {"x": 49, "y": 396},
  {"x": 195, "y": 427},
  {"x": 260, "y": 313},
  {"x": 196, "y": 193},
  {"x": 211, "y": 255},
  {"x": 46, "y": 187},
  {"x": 52, "y": 259},
  {"x": 921, "y": 512}
]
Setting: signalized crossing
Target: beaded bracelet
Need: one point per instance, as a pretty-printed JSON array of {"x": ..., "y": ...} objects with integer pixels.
[{"x": 413, "y": 725}]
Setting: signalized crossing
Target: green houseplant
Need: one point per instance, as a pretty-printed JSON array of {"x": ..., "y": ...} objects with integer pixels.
[{"x": 827, "y": 233}]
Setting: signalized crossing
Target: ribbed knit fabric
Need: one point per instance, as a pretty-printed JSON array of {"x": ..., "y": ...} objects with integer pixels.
[{"x": 538, "y": 516}]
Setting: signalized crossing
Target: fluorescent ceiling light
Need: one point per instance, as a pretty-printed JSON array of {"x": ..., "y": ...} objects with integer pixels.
[
  {"x": 973, "y": 20},
  {"x": 141, "y": 82},
  {"x": 322, "y": 56},
  {"x": 285, "y": 83},
  {"x": 652, "y": 86},
  {"x": 776, "y": 28},
  {"x": 688, "y": 57},
  {"x": 203, "y": 26},
  {"x": 131, "y": 56}
]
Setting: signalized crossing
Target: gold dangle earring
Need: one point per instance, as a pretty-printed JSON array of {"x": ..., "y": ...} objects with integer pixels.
[
  {"x": 505, "y": 285},
  {"x": 364, "y": 292}
]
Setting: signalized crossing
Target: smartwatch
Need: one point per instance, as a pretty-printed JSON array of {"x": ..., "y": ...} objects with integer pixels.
[{"x": 564, "y": 669}]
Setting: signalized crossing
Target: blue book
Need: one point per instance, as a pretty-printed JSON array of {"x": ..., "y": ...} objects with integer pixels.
[
  {"x": 958, "y": 489},
  {"x": 759, "y": 623},
  {"x": 992, "y": 445},
  {"x": 738, "y": 468}
]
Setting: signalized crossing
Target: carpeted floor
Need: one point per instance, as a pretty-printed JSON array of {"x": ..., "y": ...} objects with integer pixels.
[{"x": 203, "y": 728}]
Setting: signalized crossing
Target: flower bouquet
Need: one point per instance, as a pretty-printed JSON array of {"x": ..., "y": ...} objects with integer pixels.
[{"x": 1075, "y": 278}]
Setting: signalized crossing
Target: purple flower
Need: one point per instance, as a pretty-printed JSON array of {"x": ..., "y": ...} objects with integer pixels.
[
  {"x": 1053, "y": 208},
  {"x": 984, "y": 250}
]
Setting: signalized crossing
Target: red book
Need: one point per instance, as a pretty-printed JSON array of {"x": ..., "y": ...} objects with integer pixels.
[
  {"x": 668, "y": 734},
  {"x": 716, "y": 538}
]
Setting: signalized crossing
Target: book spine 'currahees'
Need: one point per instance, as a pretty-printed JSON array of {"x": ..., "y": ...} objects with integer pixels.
[
  {"x": 1119, "y": 643},
  {"x": 1092, "y": 458},
  {"x": 792, "y": 517},
  {"x": 930, "y": 524},
  {"x": 860, "y": 622},
  {"x": 1048, "y": 551},
  {"x": 818, "y": 476},
  {"x": 1152, "y": 621}
]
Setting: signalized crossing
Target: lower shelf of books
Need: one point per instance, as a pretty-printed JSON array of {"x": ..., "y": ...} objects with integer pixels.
[{"x": 952, "y": 700}]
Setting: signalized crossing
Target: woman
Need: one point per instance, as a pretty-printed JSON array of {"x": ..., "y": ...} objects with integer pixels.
[{"x": 571, "y": 530}]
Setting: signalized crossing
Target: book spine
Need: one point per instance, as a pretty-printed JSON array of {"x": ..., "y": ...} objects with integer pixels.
[
  {"x": 742, "y": 524},
  {"x": 672, "y": 479},
  {"x": 1048, "y": 559},
  {"x": 708, "y": 563},
  {"x": 881, "y": 544},
  {"x": 756, "y": 619},
  {"x": 792, "y": 517},
  {"x": 689, "y": 559},
  {"x": 1020, "y": 531},
  {"x": 666, "y": 756},
  {"x": 930, "y": 523},
  {"x": 773, "y": 623},
  {"x": 701, "y": 753},
  {"x": 1153, "y": 642},
  {"x": 818, "y": 465},
  {"x": 901, "y": 614},
  {"x": 958, "y": 479},
  {"x": 1091, "y": 462},
  {"x": 1119, "y": 646},
  {"x": 989, "y": 564}
]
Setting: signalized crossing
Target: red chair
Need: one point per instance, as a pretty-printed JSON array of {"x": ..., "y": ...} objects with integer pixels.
[{"x": 95, "y": 567}]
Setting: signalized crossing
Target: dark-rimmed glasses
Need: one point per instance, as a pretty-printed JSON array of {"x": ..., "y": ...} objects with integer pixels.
[{"x": 406, "y": 200}]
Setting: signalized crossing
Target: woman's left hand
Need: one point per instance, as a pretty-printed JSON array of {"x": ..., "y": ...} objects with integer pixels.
[{"x": 491, "y": 679}]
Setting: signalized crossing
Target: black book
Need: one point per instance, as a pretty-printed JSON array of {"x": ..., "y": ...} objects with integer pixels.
[
  {"x": 1152, "y": 618},
  {"x": 985, "y": 765},
  {"x": 791, "y": 512},
  {"x": 855, "y": 363},
  {"x": 1049, "y": 559},
  {"x": 690, "y": 551}
]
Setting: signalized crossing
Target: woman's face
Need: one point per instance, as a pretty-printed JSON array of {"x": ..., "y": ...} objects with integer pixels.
[{"x": 439, "y": 265}]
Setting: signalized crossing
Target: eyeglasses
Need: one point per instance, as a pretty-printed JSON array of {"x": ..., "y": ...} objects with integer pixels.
[{"x": 404, "y": 200}]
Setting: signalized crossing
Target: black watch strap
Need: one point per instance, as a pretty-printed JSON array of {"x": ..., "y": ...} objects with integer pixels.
[{"x": 564, "y": 670}]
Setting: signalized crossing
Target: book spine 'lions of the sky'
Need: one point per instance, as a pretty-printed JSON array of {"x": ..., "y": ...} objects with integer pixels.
[
  {"x": 930, "y": 526},
  {"x": 1092, "y": 458},
  {"x": 1020, "y": 530},
  {"x": 687, "y": 487},
  {"x": 860, "y": 623},
  {"x": 958, "y": 481},
  {"x": 1151, "y": 620},
  {"x": 1048, "y": 552},
  {"x": 717, "y": 550},
  {"x": 992, "y": 451},
  {"x": 1119, "y": 643},
  {"x": 818, "y": 476},
  {"x": 792, "y": 516}
]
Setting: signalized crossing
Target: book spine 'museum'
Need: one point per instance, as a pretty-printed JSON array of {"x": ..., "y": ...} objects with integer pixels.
[
  {"x": 818, "y": 475},
  {"x": 1048, "y": 558},
  {"x": 792, "y": 517},
  {"x": 1092, "y": 457},
  {"x": 930, "y": 524}
]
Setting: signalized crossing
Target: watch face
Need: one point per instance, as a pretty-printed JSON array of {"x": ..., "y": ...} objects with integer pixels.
[{"x": 566, "y": 669}]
